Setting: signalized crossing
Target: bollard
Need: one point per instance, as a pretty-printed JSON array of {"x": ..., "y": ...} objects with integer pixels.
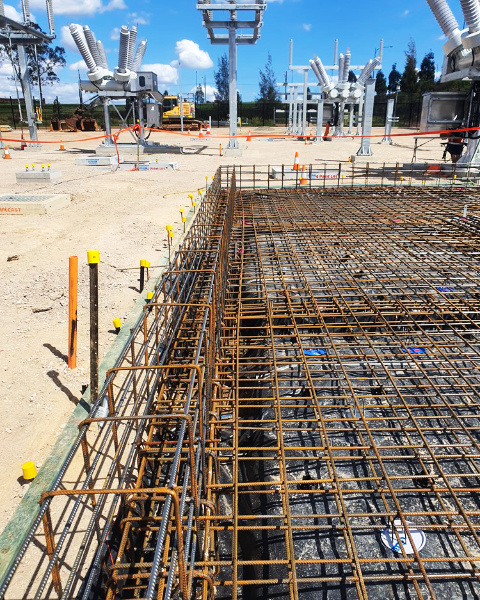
[
  {"x": 29, "y": 470},
  {"x": 72, "y": 311},
  {"x": 117, "y": 324},
  {"x": 142, "y": 274},
  {"x": 93, "y": 257}
]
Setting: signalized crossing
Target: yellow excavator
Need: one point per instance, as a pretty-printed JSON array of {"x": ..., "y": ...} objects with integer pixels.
[{"x": 171, "y": 115}]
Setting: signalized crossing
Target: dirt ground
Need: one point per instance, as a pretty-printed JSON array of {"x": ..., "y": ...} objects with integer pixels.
[{"x": 123, "y": 215}]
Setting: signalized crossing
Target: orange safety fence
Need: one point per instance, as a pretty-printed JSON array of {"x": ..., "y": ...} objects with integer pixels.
[{"x": 136, "y": 128}]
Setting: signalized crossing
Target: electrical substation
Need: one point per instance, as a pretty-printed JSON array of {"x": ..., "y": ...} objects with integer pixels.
[{"x": 288, "y": 404}]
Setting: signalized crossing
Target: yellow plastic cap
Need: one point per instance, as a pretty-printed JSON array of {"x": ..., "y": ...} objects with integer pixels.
[
  {"x": 169, "y": 228},
  {"x": 150, "y": 296},
  {"x": 181, "y": 211},
  {"x": 194, "y": 203},
  {"x": 143, "y": 262},
  {"x": 184, "y": 219},
  {"x": 170, "y": 234},
  {"x": 147, "y": 264},
  {"x": 29, "y": 470},
  {"x": 117, "y": 323},
  {"x": 190, "y": 196},
  {"x": 93, "y": 257}
]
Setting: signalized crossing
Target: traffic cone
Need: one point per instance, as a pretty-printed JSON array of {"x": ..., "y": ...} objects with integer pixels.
[
  {"x": 62, "y": 147},
  {"x": 6, "y": 153},
  {"x": 200, "y": 135},
  {"x": 208, "y": 129},
  {"x": 303, "y": 180},
  {"x": 296, "y": 165},
  {"x": 249, "y": 136},
  {"x": 23, "y": 144}
]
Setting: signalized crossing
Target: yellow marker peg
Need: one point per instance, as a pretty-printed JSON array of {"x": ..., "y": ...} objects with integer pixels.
[
  {"x": 149, "y": 296},
  {"x": 143, "y": 262},
  {"x": 181, "y": 211},
  {"x": 43, "y": 167},
  {"x": 184, "y": 219},
  {"x": 170, "y": 234},
  {"x": 117, "y": 324},
  {"x": 26, "y": 167},
  {"x": 169, "y": 228},
  {"x": 147, "y": 264},
  {"x": 194, "y": 204},
  {"x": 48, "y": 166},
  {"x": 29, "y": 470},
  {"x": 93, "y": 257},
  {"x": 33, "y": 166}
]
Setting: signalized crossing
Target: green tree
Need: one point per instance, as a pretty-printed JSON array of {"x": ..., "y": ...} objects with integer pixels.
[
  {"x": 381, "y": 85},
  {"x": 394, "y": 79},
  {"x": 268, "y": 83},
  {"x": 199, "y": 95},
  {"x": 43, "y": 61},
  {"x": 426, "y": 74},
  {"x": 352, "y": 78},
  {"x": 221, "y": 79},
  {"x": 409, "y": 82}
]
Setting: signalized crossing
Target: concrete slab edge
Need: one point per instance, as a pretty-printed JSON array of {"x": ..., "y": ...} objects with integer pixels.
[{"x": 17, "y": 529}]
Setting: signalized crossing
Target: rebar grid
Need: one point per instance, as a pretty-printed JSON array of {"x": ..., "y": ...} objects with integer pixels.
[
  {"x": 333, "y": 174},
  {"x": 301, "y": 394},
  {"x": 127, "y": 526},
  {"x": 352, "y": 345}
]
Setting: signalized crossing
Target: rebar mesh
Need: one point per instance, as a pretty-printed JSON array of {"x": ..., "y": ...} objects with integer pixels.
[{"x": 296, "y": 415}]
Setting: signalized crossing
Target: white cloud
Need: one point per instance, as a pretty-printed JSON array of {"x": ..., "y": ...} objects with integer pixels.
[
  {"x": 167, "y": 75},
  {"x": 190, "y": 56},
  {"x": 211, "y": 91},
  {"x": 66, "y": 92},
  {"x": 139, "y": 19},
  {"x": 405, "y": 13},
  {"x": 115, "y": 35},
  {"x": 84, "y": 7},
  {"x": 307, "y": 26},
  {"x": 79, "y": 65},
  {"x": 13, "y": 13}
]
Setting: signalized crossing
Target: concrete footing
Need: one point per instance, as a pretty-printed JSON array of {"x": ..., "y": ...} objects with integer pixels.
[
  {"x": 39, "y": 176},
  {"x": 97, "y": 161},
  {"x": 232, "y": 152},
  {"x": 34, "y": 204}
]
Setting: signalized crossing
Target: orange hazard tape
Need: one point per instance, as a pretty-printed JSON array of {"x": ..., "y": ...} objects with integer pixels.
[{"x": 133, "y": 128}]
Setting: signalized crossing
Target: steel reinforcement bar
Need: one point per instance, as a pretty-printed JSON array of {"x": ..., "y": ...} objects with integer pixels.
[
  {"x": 295, "y": 415},
  {"x": 348, "y": 437},
  {"x": 125, "y": 524}
]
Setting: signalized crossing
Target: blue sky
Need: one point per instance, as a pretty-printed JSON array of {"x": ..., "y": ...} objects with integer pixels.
[{"x": 175, "y": 27}]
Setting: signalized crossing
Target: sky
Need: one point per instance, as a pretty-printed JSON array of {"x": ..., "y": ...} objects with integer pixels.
[{"x": 174, "y": 32}]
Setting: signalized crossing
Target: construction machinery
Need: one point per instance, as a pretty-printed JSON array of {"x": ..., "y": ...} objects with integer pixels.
[
  {"x": 172, "y": 115},
  {"x": 77, "y": 122}
]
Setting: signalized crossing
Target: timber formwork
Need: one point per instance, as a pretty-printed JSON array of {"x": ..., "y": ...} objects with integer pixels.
[{"x": 295, "y": 416}]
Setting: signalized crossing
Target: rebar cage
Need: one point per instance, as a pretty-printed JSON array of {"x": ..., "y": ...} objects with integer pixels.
[{"x": 295, "y": 416}]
